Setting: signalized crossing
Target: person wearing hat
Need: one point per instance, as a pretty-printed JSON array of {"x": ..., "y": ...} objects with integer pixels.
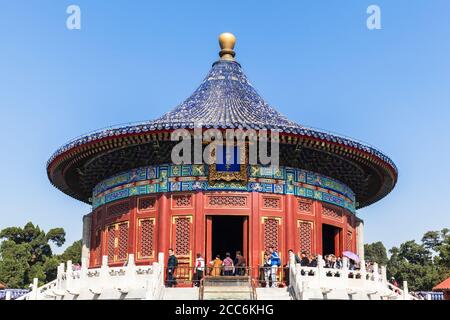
[{"x": 395, "y": 284}]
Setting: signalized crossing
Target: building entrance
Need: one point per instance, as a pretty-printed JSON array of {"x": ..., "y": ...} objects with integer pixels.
[{"x": 226, "y": 234}]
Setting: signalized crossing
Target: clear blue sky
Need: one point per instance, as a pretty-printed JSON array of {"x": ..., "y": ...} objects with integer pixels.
[{"x": 315, "y": 61}]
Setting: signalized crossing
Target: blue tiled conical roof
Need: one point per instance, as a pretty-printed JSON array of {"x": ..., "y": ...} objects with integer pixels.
[{"x": 225, "y": 99}]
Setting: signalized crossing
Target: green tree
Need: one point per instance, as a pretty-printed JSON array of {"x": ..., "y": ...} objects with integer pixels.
[
  {"x": 376, "y": 252},
  {"x": 422, "y": 265},
  {"x": 73, "y": 253},
  {"x": 25, "y": 253}
]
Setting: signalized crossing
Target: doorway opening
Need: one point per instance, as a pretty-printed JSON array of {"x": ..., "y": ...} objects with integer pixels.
[
  {"x": 228, "y": 235},
  {"x": 330, "y": 239}
]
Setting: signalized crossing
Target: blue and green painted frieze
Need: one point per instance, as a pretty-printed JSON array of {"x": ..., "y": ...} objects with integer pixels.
[{"x": 178, "y": 178}]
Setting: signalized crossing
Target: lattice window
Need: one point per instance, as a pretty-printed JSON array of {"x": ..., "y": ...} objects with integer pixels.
[
  {"x": 271, "y": 203},
  {"x": 183, "y": 227},
  {"x": 271, "y": 233},
  {"x": 305, "y": 233},
  {"x": 122, "y": 241},
  {"x": 182, "y": 200},
  {"x": 147, "y": 203},
  {"x": 227, "y": 201},
  {"x": 332, "y": 213},
  {"x": 119, "y": 209},
  {"x": 304, "y": 205},
  {"x": 117, "y": 242},
  {"x": 349, "y": 240},
  {"x": 146, "y": 234},
  {"x": 111, "y": 242}
]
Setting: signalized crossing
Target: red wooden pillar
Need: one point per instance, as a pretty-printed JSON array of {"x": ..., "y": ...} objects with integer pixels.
[
  {"x": 132, "y": 245},
  {"x": 290, "y": 226},
  {"x": 317, "y": 207},
  {"x": 245, "y": 236},
  {"x": 209, "y": 253},
  {"x": 254, "y": 234},
  {"x": 338, "y": 239},
  {"x": 164, "y": 223},
  {"x": 199, "y": 228},
  {"x": 345, "y": 234}
]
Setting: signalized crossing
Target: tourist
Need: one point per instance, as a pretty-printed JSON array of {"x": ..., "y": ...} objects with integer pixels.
[
  {"x": 327, "y": 259},
  {"x": 240, "y": 264},
  {"x": 199, "y": 269},
  {"x": 294, "y": 258},
  {"x": 76, "y": 267},
  {"x": 216, "y": 266},
  {"x": 172, "y": 264},
  {"x": 330, "y": 261},
  {"x": 267, "y": 265},
  {"x": 275, "y": 262},
  {"x": 339, "y": 263},
  {"x": 352, "y": 265},
  {"x": 304, "y": 262},
  {"x": 395, "y": 284},
  {"x": 291, "y": 254},
  {"x": 228, "y": 265},
  {"x": 313, "y": 261}
]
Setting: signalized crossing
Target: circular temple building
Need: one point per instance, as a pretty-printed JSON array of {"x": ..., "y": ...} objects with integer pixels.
[{"x": 143, "y": 203}]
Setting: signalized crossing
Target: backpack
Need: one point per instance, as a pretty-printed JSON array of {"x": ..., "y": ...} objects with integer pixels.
[{"x": 276, "y": 257}]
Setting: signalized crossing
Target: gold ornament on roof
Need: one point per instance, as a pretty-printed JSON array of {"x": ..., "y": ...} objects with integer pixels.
[{"x": 227, "y": 41}]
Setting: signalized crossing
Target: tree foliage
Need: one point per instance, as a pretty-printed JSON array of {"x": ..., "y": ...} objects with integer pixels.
[
  {"x": 25, "y": 253},
  {"x": 72, "y": 253},
  {"x": 376, "y": 252},
  {"x": 422, "y": 265}
]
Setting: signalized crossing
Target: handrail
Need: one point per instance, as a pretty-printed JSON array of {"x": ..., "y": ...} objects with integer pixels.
[
  {"x": 254, "y": 295},
  {"x": 201, "y": 290},
  {"x": 40, "y": 289}
]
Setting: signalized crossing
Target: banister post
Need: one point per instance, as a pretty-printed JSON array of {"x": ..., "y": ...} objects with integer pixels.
[
  {"x": 344, "y": 272},
  {"x": 161, "y": 266},
  {"x": 383, "y": 275},
  {"x": 104, "y": 269},
  {"x": 83, "y": 272},
  {"x": 69, "y": 275},
  {"x": 405, "y": 290},
  {"x": 34, "y": 290},
  {"x": 130, "y": 270},
  {"x": 292, "y": 269},
  {"x": 376, "y": 275},
  {"x": 320, "y": 268},
  {"x": 59, "y": 275},
  {"x": 362, "y": 271}
]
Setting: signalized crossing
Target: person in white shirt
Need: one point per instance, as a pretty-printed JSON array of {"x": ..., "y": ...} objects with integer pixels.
[{"x": 199, "y": 269}]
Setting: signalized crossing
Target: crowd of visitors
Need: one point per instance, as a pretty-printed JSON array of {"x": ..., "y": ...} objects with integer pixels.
[{"x": 271, "y": 272}]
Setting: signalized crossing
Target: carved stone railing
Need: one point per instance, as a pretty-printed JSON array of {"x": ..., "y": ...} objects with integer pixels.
[
  {"x": 308, "y": 282},
  {"x": 12, "y": 294},
  {"x": 143, "y": 282}
]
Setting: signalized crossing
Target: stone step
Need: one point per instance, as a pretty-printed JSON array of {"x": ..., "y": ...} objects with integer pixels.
[
  {"x": 227, "y": 293},
  {"x": 181, "y": 293},
  {"x": 273, "y": 294}
]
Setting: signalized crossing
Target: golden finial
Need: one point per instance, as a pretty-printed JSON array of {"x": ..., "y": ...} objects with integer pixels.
[{"x": 227, "y": 41}]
